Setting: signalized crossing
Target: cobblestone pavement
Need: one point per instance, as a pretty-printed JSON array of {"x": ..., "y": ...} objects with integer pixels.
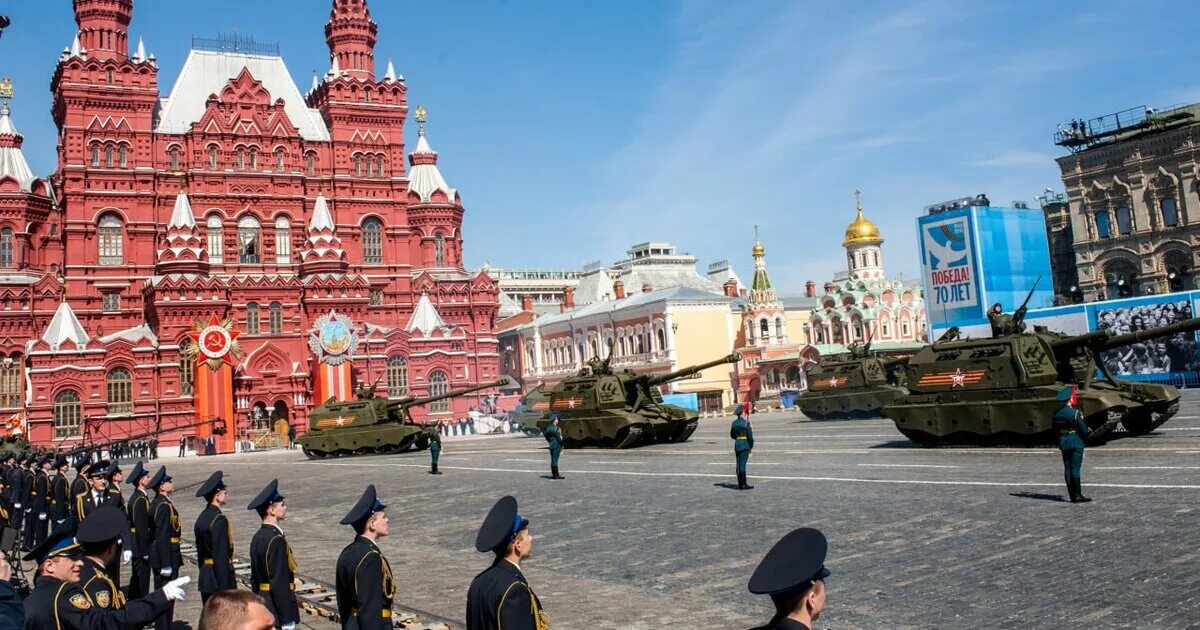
[{"x": 653, "y": 537}]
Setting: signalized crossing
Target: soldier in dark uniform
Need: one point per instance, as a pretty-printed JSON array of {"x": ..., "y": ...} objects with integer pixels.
[
  {"x": 793, "y": 573},
  {"x": 165, "y": 557},
  {"x": 214, "y": 540},
  {"x": 39, "y": 501},
  {"x": 96, "y": 494},
  {"x": 80, "y": 483},
  {"x": 1072, "y": 431},
  {"x": 742, "y": 435},
  {"x": 554, "y": 440},
  {"x": 115, "y": 477},
  {"x": 115, "y": 498},
  {"x": 58, "y": 601},
  {"x": 500, "y": 597},
  {"x": 6, "y": 466},
  {"x": 60, "y": 493},
  {"x": 141, "y": 532},
  {"x": 16, "y": 479},
  {"x": 272, "y": 565},
  {"x": 1002, "y": 323},
  {"x": 364, "y": 582},
  {"x": 435, "y": 446}
]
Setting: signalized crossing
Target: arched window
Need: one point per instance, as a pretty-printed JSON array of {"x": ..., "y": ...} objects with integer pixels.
[
  {"x": 252, "y": 319},
  {"x": 397, "y": 377},
  {"x": 358, "y": 165},
  {"x": 764, "y": 327},
  {"x": 119, "y": 384},
  {"x": 241, "y": 159},
  {"x": 1124, "y": 221},
  {"x": 283, "y": 240},
  {"x": 310, "y": 163},
  {"x": 216, "y": 240},
  {"x": 187, "y": 375},
  {"x": 108, "y": 156},
  {"x": 111, "y": 234},
  {"x": 1120, "y": 275},
  {"x": 370, "y": 166},
  {"x": 123, "y": 152},
  {"x": 96, "y": 154},
  {"x": 249, "y": 241},
  {"x": 253, "y": 158},
  {"x": 7, "y": 260},
  {"x": 372, "y": 241},
  {"x": 174, "y": 153},
  {"x": 1170, "y": 212},
  {"x": 12, "y": 383},
  {"x": 1179, "y": 270},
  {"x": 1103, "y": 229},
  {"x": 279, "y": 159},
  {"x": 779, "y": 328},
  {"x": 438, "y": 385},
  {"x": 67, "y": 410},
  {"x": 212, "y": 157},
  {"x": 275, "y": 318},
  {"x": 662, "y": 339},
  {"x": 439, "y": 250},
  {"x": 381, "y": 169}
]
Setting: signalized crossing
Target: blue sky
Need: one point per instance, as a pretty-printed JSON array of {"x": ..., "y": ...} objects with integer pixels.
[{"x": 575, "y": 129}]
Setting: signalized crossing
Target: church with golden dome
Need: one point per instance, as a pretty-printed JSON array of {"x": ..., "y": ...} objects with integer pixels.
[{"x": 863, "y": 303}]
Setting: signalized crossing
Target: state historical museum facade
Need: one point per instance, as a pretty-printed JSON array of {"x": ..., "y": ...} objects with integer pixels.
[{"x": 288, "y": 219}]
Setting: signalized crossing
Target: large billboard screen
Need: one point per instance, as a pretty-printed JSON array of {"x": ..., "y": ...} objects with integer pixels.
[
  {"x": 1013, "y": 253},
  {"x": 949, "y": 266},
  {"x": 1164, "y": 355}
]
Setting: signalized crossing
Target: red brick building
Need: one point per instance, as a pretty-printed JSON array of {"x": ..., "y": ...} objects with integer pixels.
[{"x": 232, "y": 195}]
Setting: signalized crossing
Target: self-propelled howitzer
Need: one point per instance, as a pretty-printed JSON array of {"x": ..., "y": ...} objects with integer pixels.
[
  {"x": 1002, "y": 390},
  {"x": 618, "y": 408},
  {"x": 371, "y": 425},
  {"x": 855, "y": 387}
]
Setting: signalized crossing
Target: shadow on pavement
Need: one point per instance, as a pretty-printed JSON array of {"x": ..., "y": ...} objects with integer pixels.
[
  {"x": 1037, "y": 495},
  {"x": 727, "y": 486}
]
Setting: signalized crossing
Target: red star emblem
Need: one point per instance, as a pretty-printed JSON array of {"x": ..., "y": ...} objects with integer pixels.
[
  {"x": 340, "y": 421},
  {"x": 570, "y": 403},
  {"x": 213, "y": 338},
  {"x": 958, "y": 379},
  {"x": 833, "y": 382}
]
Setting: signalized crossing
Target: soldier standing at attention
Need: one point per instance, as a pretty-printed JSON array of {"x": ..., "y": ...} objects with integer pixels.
[
  {"x": 435, "y": 447},
  {"x": 742, "y": 435},
  {"x": 60, "y": 497},
  {"x": 141, "y": 531},
  {"x": 793, "y": 573},
  {"x": 554, "y": 438},
  {"x": 124, "y": 555},
  {"x": 16, "y": 479},
  {"x": 39, "y": 498},
  {"x": 214, "y": 540},
  {"x": 500, "y": 597},
  {"x": 1072, "y": 431},
  {"x": 364, "y": 583},
  {"x": 96, "y": 494},
  {"x": 272, "y": 565},
  {"x": 79, "y": 484},
  {"x": 165, "y": 557}
]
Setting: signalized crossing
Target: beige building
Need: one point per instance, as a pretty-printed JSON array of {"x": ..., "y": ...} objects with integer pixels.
[{"x": 1132, "y": 201}]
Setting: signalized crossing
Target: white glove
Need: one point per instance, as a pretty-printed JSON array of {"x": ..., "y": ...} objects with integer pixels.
[
  {"x": 17, "y": 505},
  {"x": 165, "y": 572},
  {"x": 174, "y": 589},
  {"x": 126, "y": 556},
  {"x": 42, "y": 516},
  {"x": 288, "y": 626}
]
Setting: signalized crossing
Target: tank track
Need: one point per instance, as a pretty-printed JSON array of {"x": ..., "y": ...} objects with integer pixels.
[{"x": 390, "y": 449}]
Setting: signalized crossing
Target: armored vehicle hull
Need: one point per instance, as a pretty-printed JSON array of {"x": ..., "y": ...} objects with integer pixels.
[
  {"x": 623, "y": 429},
  {"x": 377, "y": 439},
  {"x": 855, "y": 388},
  {"x": 536, "y": 406}
]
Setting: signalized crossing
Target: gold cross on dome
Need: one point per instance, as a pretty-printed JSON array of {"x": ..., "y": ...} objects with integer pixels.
[
  {"x": 420, "y": 118},
  {"x": 857, "y": 198},
  {"x": 6, "y": 91}
]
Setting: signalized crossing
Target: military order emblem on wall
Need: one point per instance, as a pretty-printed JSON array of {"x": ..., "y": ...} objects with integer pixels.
[
  {"x": 213, "y": 341},
  {"x": 333, "y": 339}
]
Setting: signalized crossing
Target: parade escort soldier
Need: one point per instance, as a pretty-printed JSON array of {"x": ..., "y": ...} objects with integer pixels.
[
  {"x": 96, "y": 494},
  {"x": 1072, "y": 431},
  {"x": 60, "y": 491},
  {"x": 141, "y": 531},
  {"x": 500, "y": 597},
  {"x": 435, "y": 447},
  {"x": 742, "y": 435},
  {"x": 79, "y": 484},
  {"x": 214, "y": 540},
  {"x": 27, "y": 479},
  {"x": 115, "y": 498},
  {"x": 272, "y": 565},
  {"x": 165, "y": 557},
  {"x": 364, "y": 582},
  {"x": 554, "y": 439},
  {"x": 793, "y": 573},
  {"x": 16, "y": 478},
  {"x": 6, "y": 466},
  {"x": 58, "y": 601},
  {"x": 115, "y": 477},
  {"x": 39, "y": 502}
]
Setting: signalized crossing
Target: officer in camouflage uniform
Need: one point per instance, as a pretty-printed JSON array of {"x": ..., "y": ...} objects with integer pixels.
[
  {"x": 553, "y": 437},
  {"x": 1072, "y": 431},
  {"x": 742, "y": 435},
  {"x": 435, "y": 447}
]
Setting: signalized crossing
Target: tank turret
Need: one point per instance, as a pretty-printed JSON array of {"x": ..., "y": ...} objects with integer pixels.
[
  {"x": 370, "y": 424},
  {"x": 853, "y": 386},
  {"x": 1002, "y": 390}
]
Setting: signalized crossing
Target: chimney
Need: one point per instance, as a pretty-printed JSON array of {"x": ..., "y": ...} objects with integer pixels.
[
  {"x": 568, "y": 302},
  {"x": 647, "y": 288},
  {"x": 810, "y": 289},
  {"x": 526, "y": 303},
  {"x": 619, "y": 289},
  {"x": 731, "y": 288}
]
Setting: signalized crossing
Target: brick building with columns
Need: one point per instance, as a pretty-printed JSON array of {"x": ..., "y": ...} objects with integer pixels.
[{"x": 233, "y": 196}]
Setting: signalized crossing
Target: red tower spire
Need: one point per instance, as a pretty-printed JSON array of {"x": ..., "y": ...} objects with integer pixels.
[
  {"x": 104, "y": 27},
  {"x": 350, "y": 33}
]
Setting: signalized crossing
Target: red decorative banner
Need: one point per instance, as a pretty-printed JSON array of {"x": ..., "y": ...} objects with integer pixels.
[
  {"x": 214, "y": 349},
  {"x": 332, "y": 381}
]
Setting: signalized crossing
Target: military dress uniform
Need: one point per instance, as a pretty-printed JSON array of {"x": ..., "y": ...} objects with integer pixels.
[
  {"x": 39, "y": 505},
  {"x": 16, "y": 481},
  {"x": 141, "y": 534},
  {"x": 788, "y": 571},
  {"x": 60, "y": 493},
  {"x": 554, "y": 441},
  {"x": 165, "y": 557},
  {"x": 214, "y": 542},
  {"x": 364, "y": 581},
  {"x": 1072, "y": 431},
  {"x": 742, "y": 435},
  {"x": 500, "y": 597},
  {"x": 272, "y": 565},
  {"x": 115, "y": 498},
  {"x": 79, "y": 484},
  {"x": 435, "y": 449},
  {"x": 90, "y": 499}
]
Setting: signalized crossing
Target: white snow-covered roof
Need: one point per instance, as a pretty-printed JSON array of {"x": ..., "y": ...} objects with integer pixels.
[
  {"x": 133, "y": 335},
  {"x": 206, "y": 72},
  {"x": 425, "y": 179},
  {"x": 321, "y": 217},
  {"x": 64, "y": 326},
  {"x": 12, "y": 161},
  {"x": 425, "y": 317},
  {"x": 182, "y": 217}
]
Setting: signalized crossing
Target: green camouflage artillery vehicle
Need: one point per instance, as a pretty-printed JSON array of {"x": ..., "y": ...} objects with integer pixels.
[
  {"x": 370, "y": 425},
  {"x": 618, "y": 408},
  {"x": 1002, "y": 390},
  {"x": 855, "y": 386},
  {"x": 535, "y": 406}
]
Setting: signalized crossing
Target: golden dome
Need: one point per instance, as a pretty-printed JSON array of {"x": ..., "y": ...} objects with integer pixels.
[
  {"x": 759, "y": 250},
  {"x": 861, "y": 230}
]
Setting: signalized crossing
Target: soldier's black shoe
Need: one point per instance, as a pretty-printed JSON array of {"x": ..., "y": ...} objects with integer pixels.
[
  {"x": 554, "y": 473},
  {"x": 1082, "y": 499}
]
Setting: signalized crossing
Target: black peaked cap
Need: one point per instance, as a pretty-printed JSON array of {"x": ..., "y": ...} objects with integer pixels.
[
  {"x": 159, "y": 477},
  {"x": 105, "y": 524},
  {"x": 269, "y": 495},
  {"x": 215, "y": 482},
  {"x": 139, "y": 471},
  {"x": 797, "y": 559},
  {"x": 367, "y": 505},
  {"x": 500, "y": 525}
]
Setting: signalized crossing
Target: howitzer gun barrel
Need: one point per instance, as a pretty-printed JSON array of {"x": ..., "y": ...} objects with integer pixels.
[
  {"x": 690, "y": 370},
  {"x": 404, "y": 403},
  {"x": 1105, "y": 340}
]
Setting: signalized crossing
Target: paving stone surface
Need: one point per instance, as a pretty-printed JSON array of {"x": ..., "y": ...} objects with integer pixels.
[{"x": 652, "y": 537}]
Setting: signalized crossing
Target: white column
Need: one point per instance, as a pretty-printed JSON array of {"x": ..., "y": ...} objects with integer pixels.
[
  {"x": 537, "y": 351},
  {"x": 669, "y": 322}
]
